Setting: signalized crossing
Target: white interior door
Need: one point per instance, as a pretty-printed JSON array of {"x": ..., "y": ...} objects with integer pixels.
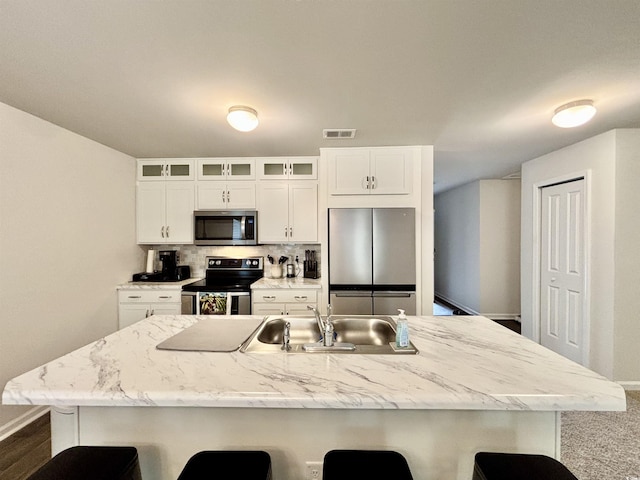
[{"x": 562, "y": 269}]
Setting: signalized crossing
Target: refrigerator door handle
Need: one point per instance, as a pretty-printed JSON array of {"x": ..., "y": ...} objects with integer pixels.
[
  {"x": 352, "y": 294},
  {"x": 393, "y": 294}
]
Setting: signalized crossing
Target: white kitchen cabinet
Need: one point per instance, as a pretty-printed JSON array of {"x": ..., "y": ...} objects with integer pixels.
[
  {"x": 167, "y": 169},
  {"x": 164, "y": 212},
  {"x": 370, "y": 171},
  {"x": 222, "y": 195},
  {"x": 136, "y": 304},
  {"x": 227, "y": 169},
  {"x": 283, "y": 301},
  {"x": 288, "y": 212},
  {"x": 287, "y": 168}
]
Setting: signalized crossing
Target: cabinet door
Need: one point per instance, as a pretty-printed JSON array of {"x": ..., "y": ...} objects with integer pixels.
[
  {"x": 241, "y": 169},
  {"x": 150, "y": 212},
  {"x": 299, "y": 310},
  {"x": 274, "y": 168},
  {"x": 390, "y": 170},
  {"x": 179, "y": 169},
  {"x": 128, "y": 314},
  {"x": 241, "y": 195},
  {"x": 273, "y": 208},
  {"x": 211, "y": 195},
  {"x": 268, "y": 309},
  {"x": 211, "y": 168},
  {"x": 303, "y": 212},
  {"x": 151, "y": 169},
  {"x": 165, "y": 309},
  {"x": 303, "y": 168},
  {"x": 349, "y": 172},
  {"x": 180, "y": 205}
]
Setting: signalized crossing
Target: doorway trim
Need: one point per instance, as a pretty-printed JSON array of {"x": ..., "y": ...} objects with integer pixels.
[{"x": 537, "y": 243}]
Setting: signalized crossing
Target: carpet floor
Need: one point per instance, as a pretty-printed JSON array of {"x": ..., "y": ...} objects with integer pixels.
[{"x": 603, "y": 445}]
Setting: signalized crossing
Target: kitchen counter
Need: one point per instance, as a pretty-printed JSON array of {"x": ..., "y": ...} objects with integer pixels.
[
  {"x": 298, "y": 282},
  {"x": 156, "y": 285},
  {"x": 464, "y": 363},
  {"x": 474, "y": 383}
]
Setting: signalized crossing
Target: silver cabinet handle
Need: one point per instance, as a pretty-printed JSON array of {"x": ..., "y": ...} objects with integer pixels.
[
  {"x": 134, "y": 296},
  {"x": 162, "y": 231},
  {"x": 285, "y": 232},
  {"x": 291, "y": 232},
  {"x": 223, "y": 196},
  {"x": 146, "y": 315},
  {"x": 300, "y": 297},
  {"x": 152, "y": 311},
  {"x": 228, "y": 196},
  {"x": 373, "y": 183},
  {"x": 164, "y": 296},
  {"x": 365, "y": 183},
  {"x": 269, "y": 297},
  {"x": 167, "y": 231}
]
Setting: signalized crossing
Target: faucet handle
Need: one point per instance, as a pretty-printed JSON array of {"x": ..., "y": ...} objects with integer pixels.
[{"x": 329, "y": 310}]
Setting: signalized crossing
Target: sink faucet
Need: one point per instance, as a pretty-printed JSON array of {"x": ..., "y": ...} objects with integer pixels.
[
  {"x": 286, "y": 337},
  {"x": 321, "y": 324}
]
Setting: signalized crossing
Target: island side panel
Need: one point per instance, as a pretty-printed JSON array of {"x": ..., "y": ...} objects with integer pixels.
[{"x": 438, "y": 444}]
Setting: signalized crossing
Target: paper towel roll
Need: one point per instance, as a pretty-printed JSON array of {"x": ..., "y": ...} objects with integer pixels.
[{"x": 151, "y": 260}]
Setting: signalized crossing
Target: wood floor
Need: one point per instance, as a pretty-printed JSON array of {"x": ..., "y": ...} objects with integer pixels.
[{"x": 25, "y": 451}]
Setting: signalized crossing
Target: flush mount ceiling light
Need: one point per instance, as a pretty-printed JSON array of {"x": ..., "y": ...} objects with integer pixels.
[
  {"x": 574, "y": 114},
  {"x": 242, "y": 118}
]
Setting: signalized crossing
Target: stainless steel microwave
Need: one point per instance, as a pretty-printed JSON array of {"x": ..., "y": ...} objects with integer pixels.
[{"x": 225, "y": 227}]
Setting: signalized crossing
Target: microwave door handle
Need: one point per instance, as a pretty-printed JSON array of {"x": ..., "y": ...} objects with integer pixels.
[{"x": 243, "y": 222}]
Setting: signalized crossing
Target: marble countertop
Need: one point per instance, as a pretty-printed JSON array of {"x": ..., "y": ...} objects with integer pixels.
[
  {"x": 298, "y": 282},
  {"x": 465, "y": 362},
  {"x": 157, "y": 285}
]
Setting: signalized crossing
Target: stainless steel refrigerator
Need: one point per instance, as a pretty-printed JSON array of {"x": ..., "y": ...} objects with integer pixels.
[{"x": 372, "y": 266}]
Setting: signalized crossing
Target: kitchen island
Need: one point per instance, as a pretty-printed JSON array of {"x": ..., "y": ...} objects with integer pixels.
[{"x": 474, "y": 385}]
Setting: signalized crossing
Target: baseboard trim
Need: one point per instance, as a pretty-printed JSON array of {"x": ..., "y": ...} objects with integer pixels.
[
  {"x": 630, "y": 385},
  {"x": 22, "y": 421}
]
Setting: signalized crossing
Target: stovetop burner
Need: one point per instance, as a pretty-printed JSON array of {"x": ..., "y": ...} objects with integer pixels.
[{"x": 224, "y": 274}]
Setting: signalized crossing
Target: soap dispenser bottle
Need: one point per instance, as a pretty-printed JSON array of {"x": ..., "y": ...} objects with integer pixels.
[{"x": 402, "y": 330}]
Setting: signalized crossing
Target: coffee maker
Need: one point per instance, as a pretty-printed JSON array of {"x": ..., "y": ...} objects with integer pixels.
[
  {"x": 170, "y": 272},
  {"x": 169, "y": 260}
]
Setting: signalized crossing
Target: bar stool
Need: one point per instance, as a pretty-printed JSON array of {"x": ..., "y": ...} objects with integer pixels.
[
  {"x": 96, "y": 463},
  {"x": 369, "y": 464},
  {"x": 507, "y": 466},
  {"x": 246, "y": 464}
]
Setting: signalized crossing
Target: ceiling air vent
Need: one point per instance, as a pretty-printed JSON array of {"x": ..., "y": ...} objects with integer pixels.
[{"x": 342, "y": 133}]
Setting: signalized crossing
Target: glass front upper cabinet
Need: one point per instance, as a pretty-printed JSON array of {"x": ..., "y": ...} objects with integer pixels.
[
  {"x": 279, "y": 168},
  {"x": 165, "y": 169},
  {"x": 226, "y": 169}
]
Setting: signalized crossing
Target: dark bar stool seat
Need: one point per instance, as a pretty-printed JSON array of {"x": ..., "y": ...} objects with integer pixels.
[
  {"x": 507, "y": 466},
  {"x": 245, "y": 465},
  {"x": 96, "y": 463},
  {"x": 369, "y": 464}
]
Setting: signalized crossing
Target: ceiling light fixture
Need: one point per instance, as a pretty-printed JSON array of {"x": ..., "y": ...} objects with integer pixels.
[
  {"x": 574, "y": 114},
  {"x": 242, "y": 118}
]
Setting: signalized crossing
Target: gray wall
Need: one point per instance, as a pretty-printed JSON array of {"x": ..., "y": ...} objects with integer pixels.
[
  {"x": 67, "y": 238},
  {"x": 477, "y": 238},
  {"x": 611, "y": 163}
]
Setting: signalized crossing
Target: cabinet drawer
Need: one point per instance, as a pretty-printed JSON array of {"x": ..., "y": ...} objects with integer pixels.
[
  {"x": 285, "y": 296},
  {"x": 149, "y": 296}
]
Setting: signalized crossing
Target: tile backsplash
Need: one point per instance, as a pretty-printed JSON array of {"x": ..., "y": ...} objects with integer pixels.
[{"x": 195, "y": 257}]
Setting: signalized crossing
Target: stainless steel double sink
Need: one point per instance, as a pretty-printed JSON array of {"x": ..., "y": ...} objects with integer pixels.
[{"x": 368, "y": 334}]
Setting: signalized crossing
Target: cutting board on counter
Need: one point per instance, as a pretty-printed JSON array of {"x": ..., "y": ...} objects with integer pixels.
[{"x": 212, "y": 335}]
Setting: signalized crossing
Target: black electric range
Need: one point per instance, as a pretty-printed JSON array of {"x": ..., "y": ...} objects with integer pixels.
[{"x": 226, "y": 288}]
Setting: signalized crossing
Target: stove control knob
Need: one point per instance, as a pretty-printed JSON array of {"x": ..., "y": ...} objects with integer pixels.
[
  {"x": 218, "y": 262},
  {"x": 248, "y": 262}
]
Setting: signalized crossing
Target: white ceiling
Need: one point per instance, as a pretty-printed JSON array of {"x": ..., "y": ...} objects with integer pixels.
[{"x": 479, "y": 80}]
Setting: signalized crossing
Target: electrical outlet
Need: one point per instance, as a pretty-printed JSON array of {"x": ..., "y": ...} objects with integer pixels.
[{"x": 314, "y": 471}]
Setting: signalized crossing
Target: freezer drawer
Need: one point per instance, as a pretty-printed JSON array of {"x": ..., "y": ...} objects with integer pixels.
[
  {"x": 351, "y": 303},
  {"x": 388, "y": 303}
]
